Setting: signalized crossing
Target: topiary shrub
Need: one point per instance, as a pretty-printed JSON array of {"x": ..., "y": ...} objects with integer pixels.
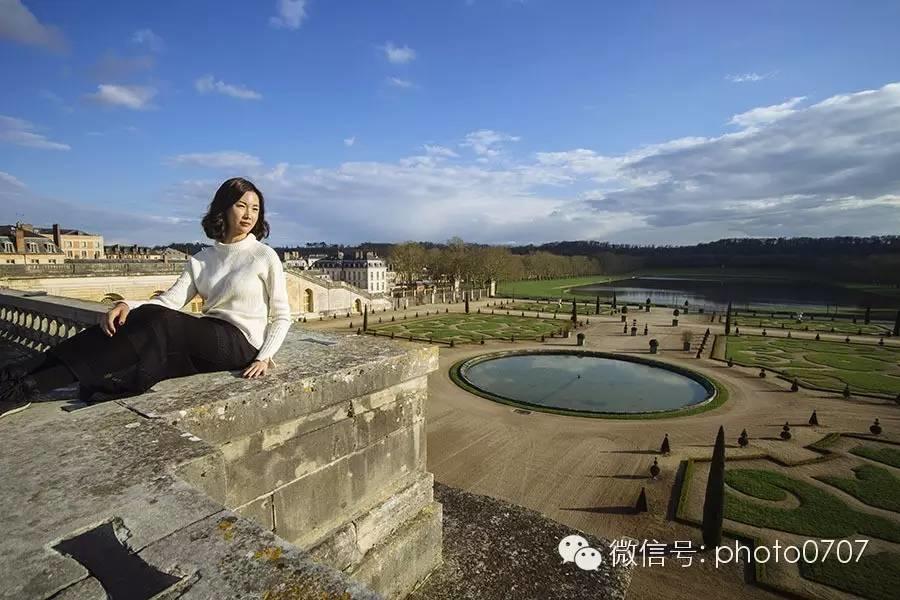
[
  {"x": 714, "y": 500},
  {"x": 786, "y": 432}
]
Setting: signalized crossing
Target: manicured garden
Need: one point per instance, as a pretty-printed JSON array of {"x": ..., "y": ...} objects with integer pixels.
[
  {"x": 473, "y": 327},
  {"x": 888, "y": 456},
  {"x": 824, "y": 326},
  {"x": 588, "y": 309},
  {"x": 875, "y": 576},
  {"x": 875, "y": 486},
  {"x": 865, "y": 368},
  {"x": 820, "y": 514}
]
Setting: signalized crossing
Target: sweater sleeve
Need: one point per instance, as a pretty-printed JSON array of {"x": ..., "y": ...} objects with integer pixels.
[
  {"x": 181, "y": 292},
  {"x": 279, "y": 309}
]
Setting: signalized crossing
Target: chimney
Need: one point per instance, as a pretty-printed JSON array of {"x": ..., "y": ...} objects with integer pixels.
[
  {"x": 57, "y": 238},
  {"x": 20, "y": 240}
]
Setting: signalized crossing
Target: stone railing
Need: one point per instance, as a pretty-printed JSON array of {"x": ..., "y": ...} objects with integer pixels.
[
  {"x": 308, "y": 483},
  {"x": 38, "y": 321},
  {"x": 91, "y": 269}
]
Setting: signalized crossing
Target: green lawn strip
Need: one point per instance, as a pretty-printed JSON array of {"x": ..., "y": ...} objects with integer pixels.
[
  {"x": 875, "y": 486},
  {"x": 472, "y": 327},
  {"x": 744, "y": 481},
  {"x": 888, "y": 456},
  {"x": 874, "y": 576},
  {"x": 815, "y": 326},
  {"x": 824, "y": 364},
  {"x": 551, "y": 307},
  {"x": 819, "y": 514},
  {"x": 547, "y": 288}
]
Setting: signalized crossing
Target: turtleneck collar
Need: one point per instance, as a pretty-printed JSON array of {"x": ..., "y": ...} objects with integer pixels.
[{"x": 247, "y": 241}]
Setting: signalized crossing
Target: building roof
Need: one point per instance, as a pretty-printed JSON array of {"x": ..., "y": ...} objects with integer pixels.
[{"x": 49, "y": 231}]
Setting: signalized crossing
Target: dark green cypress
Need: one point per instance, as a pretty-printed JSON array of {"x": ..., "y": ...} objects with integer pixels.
[
  {"x": 714, "y": 502},
  {"x": 728, "y": 319}
]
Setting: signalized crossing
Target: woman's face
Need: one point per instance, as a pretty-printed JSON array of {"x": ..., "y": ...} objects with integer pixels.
[{"x": 243, "y": 215}]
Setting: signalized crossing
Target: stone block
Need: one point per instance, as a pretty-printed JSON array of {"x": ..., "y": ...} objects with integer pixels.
[
  {"x": 399, "y": 563},
  {"x": 345, "y": 548},
  {"x": 307, "y": 509},
  {"x": 260, "y": 511}
]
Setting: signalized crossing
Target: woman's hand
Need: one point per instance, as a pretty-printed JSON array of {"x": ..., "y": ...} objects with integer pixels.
[
  {"x": 117, "y": 314},
  {"x": 256, "y": 369}
]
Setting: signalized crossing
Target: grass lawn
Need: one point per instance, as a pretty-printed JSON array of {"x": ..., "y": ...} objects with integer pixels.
[
  {"x": 473, "y": 327},
  {"x": 829, "y": 365},
  {"x": 589, "y": 309},
  {"x": 875, "y": 576},
  {"x": 888, "y": 456},
  {"x": 873, "y": 485},
  {"x": 548, "y": 288},
  {"x": 825, "y": 326},
  {"x": 820, "y": 514}
]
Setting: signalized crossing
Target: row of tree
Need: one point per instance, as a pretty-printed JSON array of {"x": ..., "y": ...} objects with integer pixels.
[{"x": 476, "y": 264}]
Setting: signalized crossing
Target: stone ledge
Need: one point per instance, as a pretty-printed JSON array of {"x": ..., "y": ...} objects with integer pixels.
[{"x": 311, "y": 376}]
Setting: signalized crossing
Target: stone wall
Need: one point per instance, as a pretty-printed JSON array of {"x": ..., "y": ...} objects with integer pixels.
[{"x": 317, "y": 468}]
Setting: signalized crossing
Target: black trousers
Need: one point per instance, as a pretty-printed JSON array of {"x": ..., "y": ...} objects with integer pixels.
[{"x": 156, "y": 343}]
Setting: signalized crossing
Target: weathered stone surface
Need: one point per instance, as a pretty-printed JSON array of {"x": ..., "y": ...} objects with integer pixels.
[
  {"x": 399, "y": 563},
  {"x": 86, "y": 589},
  {"x": 310, "y": 377},
  {"x": 247, "y": 562},
  {"x": 259, "y": 463},
  {"x": 348, "y": 485},
  {"x": 494, "y": 549},
  {"x": 345, "y": 548},
  {"x": 65, "y": 472},
  {"x": 360, "y": 399}
]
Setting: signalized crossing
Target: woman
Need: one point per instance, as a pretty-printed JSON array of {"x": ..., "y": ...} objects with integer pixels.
[{"x": 139, "y": 344}]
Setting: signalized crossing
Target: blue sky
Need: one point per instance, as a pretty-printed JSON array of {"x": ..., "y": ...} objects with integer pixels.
[{"x": 500, "y": 121}]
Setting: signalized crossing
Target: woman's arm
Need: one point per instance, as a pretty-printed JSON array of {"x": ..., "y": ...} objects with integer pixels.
[
  {"x": 181, "y": 292},
  {"x": 279, "y": 309}
]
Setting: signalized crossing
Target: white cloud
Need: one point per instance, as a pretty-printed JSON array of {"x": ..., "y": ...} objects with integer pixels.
[
  {"x": 135, "y": 97},
  {"x": 486, "y": 142},
  {"x": 766, "y": 114},
  {"x": 21, "y": 133},
  {"x": 11, "y": 181},
  {"x": 748, "y": 77},
  {"x": 349, "y": 141},
  {"x": 291, "y": 14},
  {"x": 217, "y": 160},
  {"x": 208, "y": 84},
  {"x": 146, "y": 37},
  {"x": 439, "y": 151},
  {"x": 18, "y": 24},
  {"x": 398, "y": 55},
  {"x": 400, "y": 83}
]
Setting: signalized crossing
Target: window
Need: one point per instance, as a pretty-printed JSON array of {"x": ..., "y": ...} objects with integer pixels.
[
  {"x": 52, "y": 261},
  {"x": 84, "y": 244},
  {"x": 34, "y": 261},
  {"x": 68, "y": 243},
  {"x": 84, "y": 254},
  {"x": 10, "y": 261}
]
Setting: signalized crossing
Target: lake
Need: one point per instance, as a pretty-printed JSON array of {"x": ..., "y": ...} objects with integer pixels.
[{"x": 714, "y": 293}]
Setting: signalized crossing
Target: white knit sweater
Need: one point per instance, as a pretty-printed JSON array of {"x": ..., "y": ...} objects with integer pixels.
[{"x": 241, "y": 283}]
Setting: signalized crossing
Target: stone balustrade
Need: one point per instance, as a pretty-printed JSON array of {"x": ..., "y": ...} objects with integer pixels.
[
  {"x": 38, "y": 321},
  {"x": 92, "y": 269}
]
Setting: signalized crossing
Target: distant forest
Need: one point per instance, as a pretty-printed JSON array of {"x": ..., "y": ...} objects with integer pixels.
[{"x": 873, "y": 260}]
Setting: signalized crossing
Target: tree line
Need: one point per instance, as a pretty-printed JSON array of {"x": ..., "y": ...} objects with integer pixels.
[{"x": 479, "y": 264}]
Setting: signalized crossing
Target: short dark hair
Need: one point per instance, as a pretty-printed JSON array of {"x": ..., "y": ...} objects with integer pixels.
[{"x": 214, "y": 223}]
